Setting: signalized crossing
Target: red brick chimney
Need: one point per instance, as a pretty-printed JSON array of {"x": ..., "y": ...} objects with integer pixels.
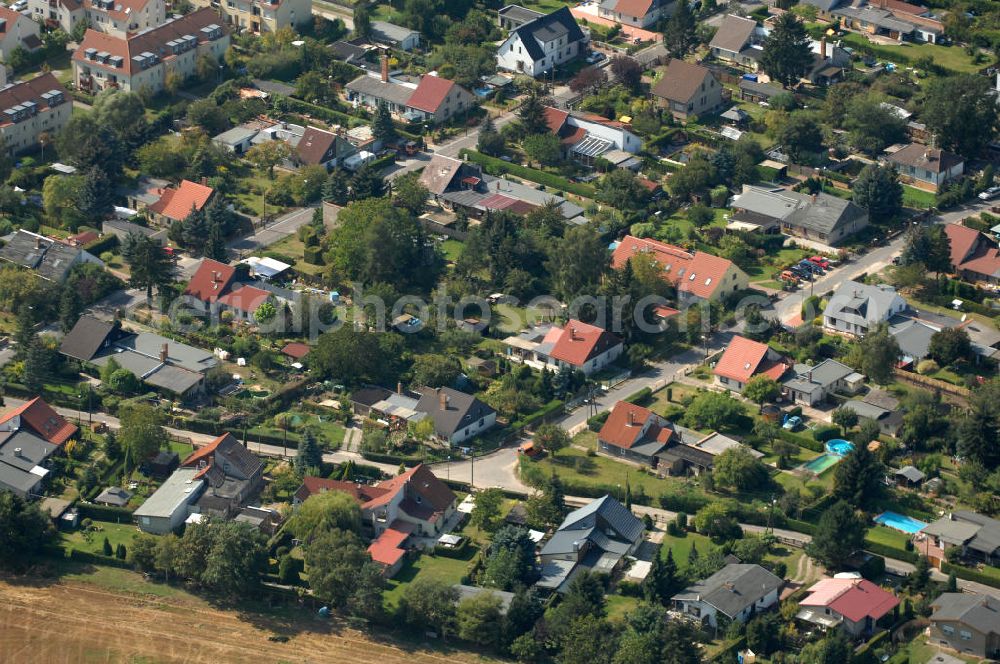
[
  {"x": 443, "y": 399},
  {"x": 822, "y": 48},
  {"x": 399, "y": 387},
  {"x": 163, "y": 353},
  {"x": 631, "y": 418},
  {"x": 385, "y": 68}
]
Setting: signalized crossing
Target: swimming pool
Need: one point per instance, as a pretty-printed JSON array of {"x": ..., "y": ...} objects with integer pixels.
[
  {"x": 900, "y": 522},
  {"x": 821, "y": 463},
  {"x": 839, "y": 446}
]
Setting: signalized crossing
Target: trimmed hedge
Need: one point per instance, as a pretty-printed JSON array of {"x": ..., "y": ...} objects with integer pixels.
[
  {"x": 499, "y": 167},
  {"x": 327, "y": 114},
  {"x": 639, "y": 397},
  {"x": 313, "y": 255},
  {"x": 383, "y": 162},
  {"x": 597, "y": 421},
  {"x": 801, "y": 441},
  {"x": 378, "y": 457},
  {"x": 970, "y": 574},
  {"x": 104, "y": 513},
  {"x": 556, "y": 405},
  {"x": 99, "y": 246},
  {"x": 890, "y": 551},
  {"x": 873, "y": 642},
  {"x": 682, "y": 503},
  {"x": 800, "y": 526},
  {"x": 96, "y": 559}
]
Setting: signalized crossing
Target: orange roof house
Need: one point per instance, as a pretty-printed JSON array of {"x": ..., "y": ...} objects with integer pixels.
[
  {"x": 244, "y": 301},
  {"x": 634, "y": 433},
  {"x": 696, "y": 275},
  {"x": 176, "y": 203},
  {"x": 210, "y": 281},
  {"x": 743, "y": 359},
  {"x": 974, "y": 256},
  {"x": 577, "y": 345},
  {"x": 41, "y": 419}
]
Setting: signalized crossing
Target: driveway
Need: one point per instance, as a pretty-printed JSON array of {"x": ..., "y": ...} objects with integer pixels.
[
  {"x": 121, "y": 300},
  {"x": 273, "y": 232}
]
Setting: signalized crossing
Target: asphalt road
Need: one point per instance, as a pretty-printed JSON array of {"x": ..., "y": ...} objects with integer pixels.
[{"x": 273, "y": 232}]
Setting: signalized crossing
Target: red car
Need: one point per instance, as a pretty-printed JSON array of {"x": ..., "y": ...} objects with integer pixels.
[{"x": 819, "y": 260}]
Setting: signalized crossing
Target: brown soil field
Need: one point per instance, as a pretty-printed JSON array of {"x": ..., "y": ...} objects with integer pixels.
[{"x": 67, "y": 622}]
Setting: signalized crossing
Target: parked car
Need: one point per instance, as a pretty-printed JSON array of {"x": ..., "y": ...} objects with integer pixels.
[
  {"x": 822, "y": 262},
  {"x": 20, "y": 5},
  {"x": 595, "y": 57},
  {"x": 801, "y": 273},
  {"x": 989, "y": 194},
  {"x": 810, "y": 267},
  {"x": 792, "y": 423},
  {"x": 788, "y": 275}
]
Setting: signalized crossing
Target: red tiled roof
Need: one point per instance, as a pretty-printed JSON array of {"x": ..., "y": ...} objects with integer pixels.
[
  {"x": 122, "y": 9},
  {"x": 85, "y": 237},
  {"x": 745, "y": 358},
  {"x": 387, "y": 549},
  {"x": 360, "y": 492},
  {"x": 855, "y": 599},
  {"x": 555, "y": 118},
  {"x": 624, "y": 426},
  {"x": 663, "y": 311},
  {"x": 210, "y": 281},
  {"x": 637, "y": 8},
  {"x": 962, "y": 239},
  {"x": 502, "y": 202},
  {"x": 904, "y": 7},
  {"x": 245, "y": 298},
  {"x": 42, "y": 420},
  {"x": 177, "y": 203},
  {"x": 421, "y": 480},
  {"x": 973, "y": 251},
  {"x": 648, "y": 184},
  {"x": 697, "y": 273},
  {"x": 580, "y": 342},
  {"x": 296, "y": 350},
  {"x": 204, "y": 453},
  {"x": 430, "y": 93},
  {"x": 31, "y": 90}
]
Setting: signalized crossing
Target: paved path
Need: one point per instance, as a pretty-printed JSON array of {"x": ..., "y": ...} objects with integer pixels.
[{"x": 273, "y": 232}]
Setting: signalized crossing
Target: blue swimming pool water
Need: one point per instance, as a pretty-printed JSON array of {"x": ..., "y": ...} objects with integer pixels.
[
  {"x": 900, "y": 522},
  {"x": 821, "y": 463},
  {"x": 839, "y": 446}
]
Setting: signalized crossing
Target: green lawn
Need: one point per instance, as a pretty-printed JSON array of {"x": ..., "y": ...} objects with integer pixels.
[
  {"x": 917, "y": 198},
  {"x": 116, "y": 580},
  {"x": 681, "y": 547},
  {"x": 93, "y": 541},
  {"x": 452, "y": 249},
  {"x": 953, "y": 58},
  {"x": 887, "y": 536},
  {"x": 293, "y": 247},
  {"x": 439, "y": 568},
  {"x": 619, "y": 605}
]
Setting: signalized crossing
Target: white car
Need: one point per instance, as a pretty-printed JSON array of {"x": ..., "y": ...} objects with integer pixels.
[
  {"x": 20, "y": 5},
  {"x": 989, "y": 194}
]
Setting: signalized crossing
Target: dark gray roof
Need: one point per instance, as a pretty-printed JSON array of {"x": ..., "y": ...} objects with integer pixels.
[
  {"x": 911, "y": 473},
  {"x": 461, "y": 409},
  {"x": 559, "y": 23},
  {"x": 347, "y": 51},
  {"x": 519, "y": 14},
  {"x": 49, "y": 259},
  {"x": 21, "y": 457},
  {"x": 604, "y": 521},
  {"x": 913, "y": 337},
  {"x": 981, "y": 612},
  {"x": 121, "y": 227},
  {"x": 87, "y": 337},
  {"x": 865, "y": 409},
  {"x": 733, "y": 34},
  {"x": 733, "y": 588},
  {"x": 114, "y": 495},
  {"x": 238, "y": 459},
  {"x": 882, "y": 399},
  {"x": 390, "y": 32},
  {"x": 765, "y": 90},
  {"x": 373, "y": 86},
  {"x": 821, "y": 376},
  {"x": 465, "y": 592},
  {"x": 824, "y": 5},
  {"x": 825, "y": 214},
  {"x": 980, "y": 533}
]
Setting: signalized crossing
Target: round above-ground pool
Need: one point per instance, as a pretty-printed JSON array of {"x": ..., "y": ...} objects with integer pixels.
[{"x": 839, "y": 446}]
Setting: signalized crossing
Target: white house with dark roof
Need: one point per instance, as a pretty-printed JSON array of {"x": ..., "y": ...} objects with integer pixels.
[
  {"x": 926, "y": 167},
  {"x": 390, "y": 34},
  {"x": 855, "y": 308},
  {"x": 49, "y": 259},
  {"x": 457, "y": 416},
  {"x": 545, "y": 42},
  {"x": 430, "y": 98},
  {"x": 736, "y": 591},
  {"x": 820, "y": 217}
]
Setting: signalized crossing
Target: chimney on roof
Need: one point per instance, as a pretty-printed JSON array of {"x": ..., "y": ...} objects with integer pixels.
[
  {"x": 572, "y": 333},
  {"x": 815, "y": 197},
  {"x": 631, "y": 418},
  {"x": 17, "y": 452},
  {"x": 443, "y": 400},
  {"x": 216, "y": 277},
  {"x": 728, "y": 585},
  {"x": 822, "y": 48},
  {"x": 38, "y": 243},
  {"x": 399, "y": 387},
  {"x": 204, "y": 181},
  {"x": 163, "y": 353},
  {"x": 385, "y": 68}
]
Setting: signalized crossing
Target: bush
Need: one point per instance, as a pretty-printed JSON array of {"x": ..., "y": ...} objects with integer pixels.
[
  {"x": 104, "y": 513},
  {"x": 313, "y": 255},
  {"x": 825, "y": 432},
  {"x": 597, "y": 421},
  {"x": 989, "y": 575},
  {"x": 927, "y": 366},
  {"x": 499, "y": 167},
  {"x": 640, "y": 397},
  {"x": 629, "y": 589},
  {"x": 890, "y": 551},
  {"x": 107, "y": 243}
]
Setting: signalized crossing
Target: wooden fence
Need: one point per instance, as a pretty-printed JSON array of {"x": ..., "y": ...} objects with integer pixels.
[{"x": 932, "y": 383}]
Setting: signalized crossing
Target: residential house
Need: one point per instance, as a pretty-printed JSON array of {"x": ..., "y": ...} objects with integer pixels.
[
  {"x": 352, "y": 54},
  {"x": 585, "y": 136},
  {"x": 975, "y": 256},
  {"x": 596, "y": 538},
  {"x": 511, "y": 17},
  {"x": 243, "y": 301},
  {"x": 319, "y": 147},
  {"x": 968, "y": 623},
  {"x": 295, "y": 351},
  {"x": 395, "y": 36},
  {"x": 852, "y": 604},
  {"x": 893, "y": 19},
  {"x": 738, "y": 41},
  {"x": 162, "y": 363},
  {"x": 122, "y": 229},
  {"x": 481, "y": 194},
  {"x": 170, "y": 505},
  {"x": 812, "y": 385},
  {"x": 758, "y": 93},
  {"x": 737, "y": 591},
  {"x": 820, "y": 217},
  {"x": 745, "y": 358},
  {"x": 696, "y": 275},
  {"x": 143, "y": 60},
  {"x": 261, "y": 16},
  {"x": 636, "y": 13},
  {"x": 909, "y": 476},
  {"x": 113, "y": 17},
  {"x": 49, "y": 259},
  {"x": 31, "y": 108},
  {"x": 855, "y": 308},
  {"x": 688, "y": 90},
  {"x": 880, "y": 407},
  {"x": 29, "y": 435},
  {"x": 537, "y": 46},
  {"x": 447, "y": 174},
  {"x": 233, "y": 476},
  {"x": 411, "y": 509},
  {"x": 239, "y": 139},
  {"x": 167, "y": 203},
  {"x": 457, "y": 416},
  {"x": 976, "y": 536},
  {"x": 577, "y": 346},
  {"x": 114, "y": 496},
  {"x": 689, "y": 452},
  {"x": 430, "y": 98},
  {"x": 17, "y": 31},
  {"x": 634, "y": 433},
  {"x": 925, "y": 167}
]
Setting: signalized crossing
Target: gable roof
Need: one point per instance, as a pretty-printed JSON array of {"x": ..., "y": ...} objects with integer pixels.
[
  {"x": 431, "y": 93},
  {"x": 744, "y": 358},
  {"x": 547, "y": 28},
  {"x": 40, "y": 419},
  {"x": 604, "y": 521},
  {"x": 698, "y": 273},
  {"x": 422, "y": 482},
  {"x": 314, "y": 485},
  {"x": 87, "y": 337},
  {"x": 240, "y": 457},
  {"x": 926, "y": 158},
  {"x": 210, "y": 280},
  {"x": 681, "y": 80},
  {"x": 32, "y": 91},
  {"x": 855, "y": 599},
  {"x": 872, "y": 303},
  {"x": 733, "y": 34},
  {"x": 581, "y": 341},
  {"x": 49, "y": 259},
  {"x": 821, "y": 376},
  {"x": 296, "y": 350},
  {"x": 460, "y": 411},
  {"x": 626, "y": 426},
  {"x": 391, "y": 31},
  {"x": 245, "y": 298},
  {"x": 638, "y": 8},
  {"x": 314, "y": 145},
  {"x": 733, "y": 588},
  {"x": 178, "y": 202},
  {"x": 972, "y": 250},
  {"x": 981, "y": 612}
]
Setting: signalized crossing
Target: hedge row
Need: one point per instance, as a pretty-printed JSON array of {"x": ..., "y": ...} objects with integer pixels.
[
  {"x": 597, "y": 421},
  {"x": 107, "y": 243},
  {"x": 499, "y": 167},
  {"x": 326, "y": 114},
  {"x": 554, "y": 406},
  {"x": 104, "y": 513},
  {"x": 639, "y": 397},
  {"x": 383, "y": 162},
  {"x": 96, "y": 559},
  {"x": 890, "y": 551},
  {"x": 378, "y": 457},
  {"x": 873, "y": 642},
  {"x": 969, "y": 574},
  {"x": 801, "y": 441}
]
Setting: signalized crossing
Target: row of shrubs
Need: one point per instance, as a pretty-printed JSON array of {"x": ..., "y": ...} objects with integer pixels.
[
  {"x": 498, "y": 167},
  {"x": 969, "y": 574}
]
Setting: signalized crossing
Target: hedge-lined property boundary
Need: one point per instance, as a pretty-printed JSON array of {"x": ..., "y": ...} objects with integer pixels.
[{"x": 496, "y": 166}]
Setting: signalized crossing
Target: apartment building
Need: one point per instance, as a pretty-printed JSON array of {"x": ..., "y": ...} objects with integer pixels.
[
  {"x": 113, "y": 17},
  {"x": 259, "y": 16},
  {"x": 30, "y": 108},
  {"x": 16, "y": 31},
  {"x": 144, "y": 60}
]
